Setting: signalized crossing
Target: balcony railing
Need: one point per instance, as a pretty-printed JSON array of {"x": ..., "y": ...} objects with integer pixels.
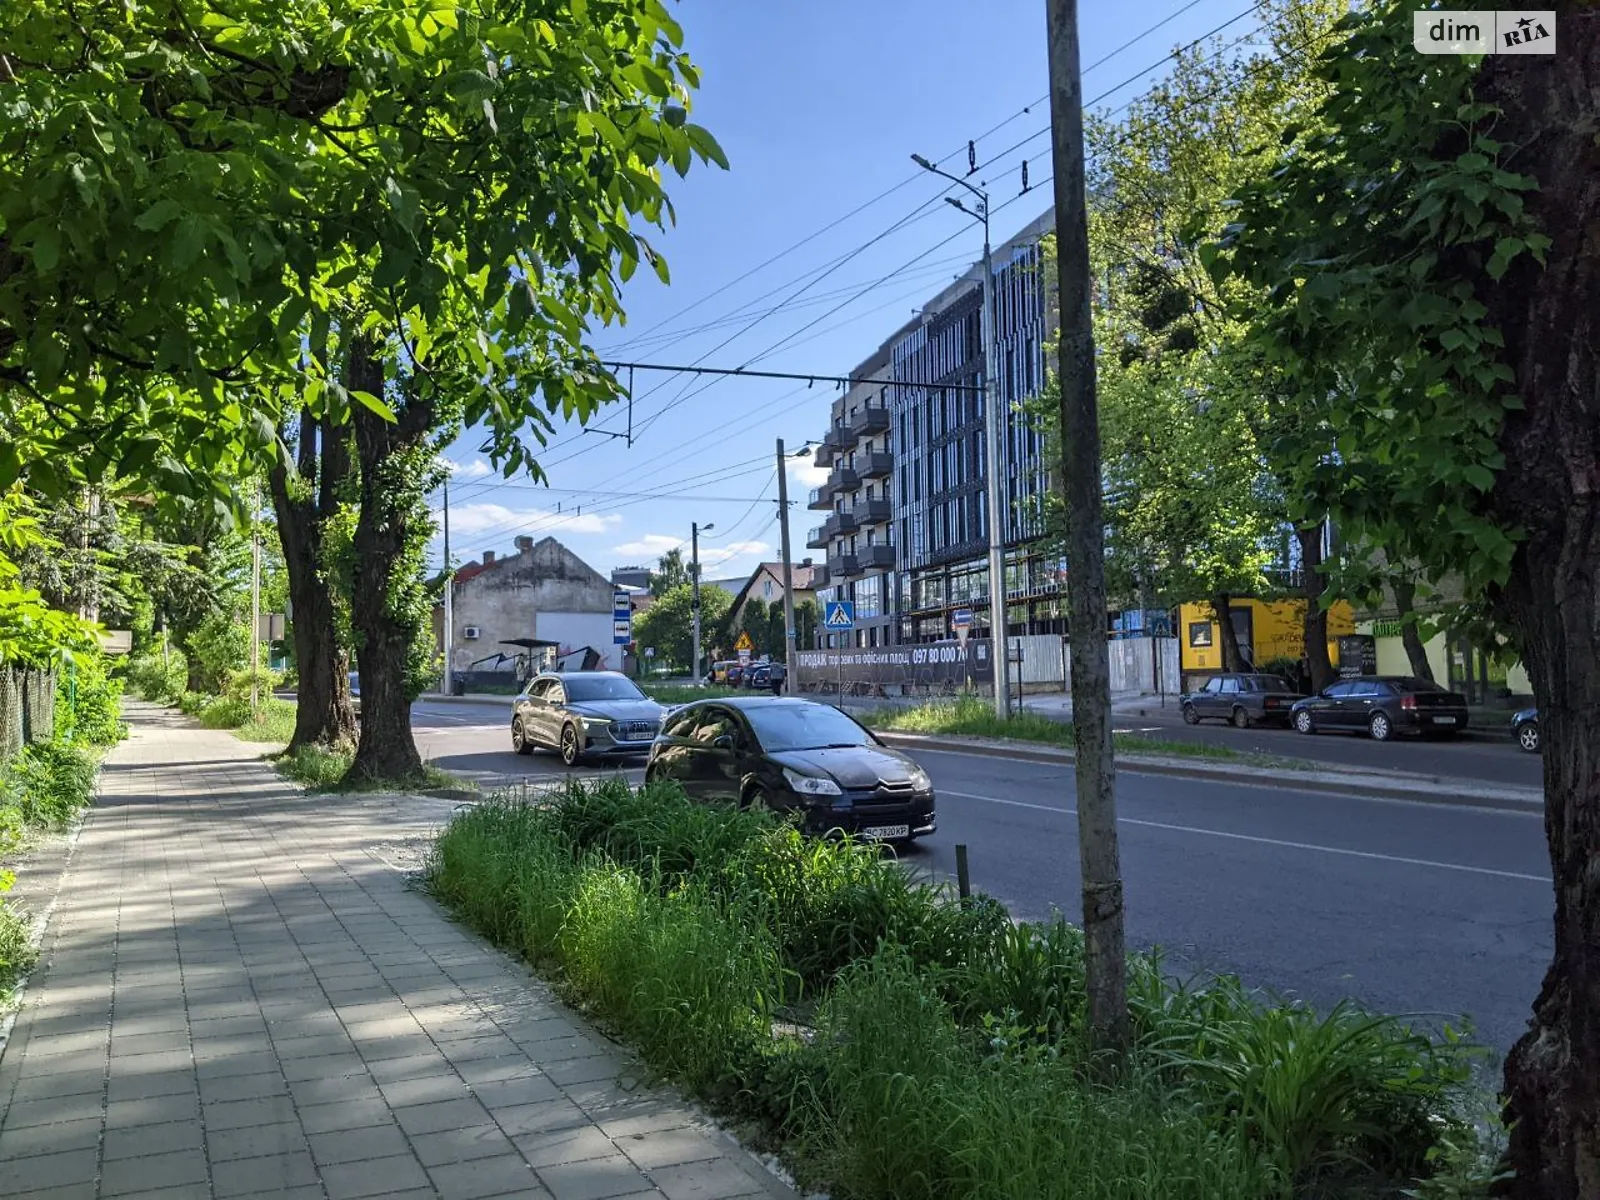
[
  {"x": 874, "y": 418},
  {"x": 843, "y": 566},
  {"x": 818, "y": 539},
  {"x": 839, "y": 438},
  {"x": 877, "y": 465},
  {"x": 844, "y": 479},
  {"x": 841, "y": 524},
  {"x": 877, "y": 557},
  {"x": 822, "y": 497},
  {"x": 873, "y": 512}
]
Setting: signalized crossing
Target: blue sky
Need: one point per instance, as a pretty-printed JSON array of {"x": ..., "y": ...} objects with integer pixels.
[{"x": 819, "y": 107}]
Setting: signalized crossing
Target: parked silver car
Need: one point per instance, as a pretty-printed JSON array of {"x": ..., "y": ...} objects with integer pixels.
[{"x": 584, "y": 714}]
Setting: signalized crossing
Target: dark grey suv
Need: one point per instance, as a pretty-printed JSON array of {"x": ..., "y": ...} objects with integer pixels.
[{"x": 584, "y": 714}]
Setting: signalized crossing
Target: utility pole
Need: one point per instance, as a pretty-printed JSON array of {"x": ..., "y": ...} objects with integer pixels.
[
  {"x": 694, "y": 584},
  {"x": 1105, "y": 959},
  {"x": 788, "y": 572},
  {"x": 449, "y": 599},
  {"x": 994, "y": 436},
  {"x": 255, "y": 594}
]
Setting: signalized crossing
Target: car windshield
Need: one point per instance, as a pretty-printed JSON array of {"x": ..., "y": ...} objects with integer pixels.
[
  {"x": 781, "y": 727},
  {"x": 581, "y": 690}
]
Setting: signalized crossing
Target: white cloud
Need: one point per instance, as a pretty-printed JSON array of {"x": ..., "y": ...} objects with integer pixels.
[
  {"x": 649, "y": 547},
  {"x": 476, "y": 469},
  {"x": 501, "y": 524},
  {"x": 804, "y": 475},
  {"x": 721, "y": 555}
]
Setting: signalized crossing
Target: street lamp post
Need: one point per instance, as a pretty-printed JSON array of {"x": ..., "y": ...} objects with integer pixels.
[
  {"x": 994, "y": 431},
  {"x": 788, "y": 570},
  {"x": 694, "y": 583}
]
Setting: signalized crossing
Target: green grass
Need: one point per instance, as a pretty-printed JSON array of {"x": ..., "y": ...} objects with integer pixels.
[
  {"x": 324, "y": 770},
  {"x": 271, "y": 721},
  {"x": 686, "y": 693},
  {"x": 940, "y": 1052},
  {"x": 971, "y": 716}
]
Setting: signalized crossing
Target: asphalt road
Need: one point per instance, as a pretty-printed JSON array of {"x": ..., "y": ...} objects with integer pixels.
[{"x": 1408, "y": 907}]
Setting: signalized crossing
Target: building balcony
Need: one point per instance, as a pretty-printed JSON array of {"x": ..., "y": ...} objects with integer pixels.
[
  {"x": 841, "y": 524},
  {"x": 873, "y": 512},
  {"x": 874, "y": 418},
  {"x": 877, "y": 557},
  {"x": 877, "y": 465},
  {"x": 842, "y": 567},
  {"x": 818, "y": 539},
  {"x": 844, "y": 479},
  {"x": 822, "y": 454},
  {"x": 822, "y": 497},
  {"x": 839, "y": 438}
]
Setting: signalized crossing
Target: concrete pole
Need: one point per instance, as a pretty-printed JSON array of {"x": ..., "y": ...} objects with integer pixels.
[
  {"x": 994, "y": 427},
  {"x": 694, "y": 584},
  {"x": 255, "y": 596},
  {"x": 788, "y": 573},
  {"x": 449, "y": 599}
]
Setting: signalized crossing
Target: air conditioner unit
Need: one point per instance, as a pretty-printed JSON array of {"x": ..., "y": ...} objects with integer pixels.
[{"x": 472, "y": 633}]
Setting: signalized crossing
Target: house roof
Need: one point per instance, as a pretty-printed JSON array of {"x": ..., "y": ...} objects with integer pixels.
[{"x": 800, "y": 577}]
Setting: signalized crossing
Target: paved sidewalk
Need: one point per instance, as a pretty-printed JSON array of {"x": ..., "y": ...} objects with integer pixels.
[{"x": 240, "y": 996}]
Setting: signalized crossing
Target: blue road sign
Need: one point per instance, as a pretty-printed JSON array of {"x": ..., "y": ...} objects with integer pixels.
[
  {"x": 839, "y": 614},
  {"x": 961, "y": 618}
]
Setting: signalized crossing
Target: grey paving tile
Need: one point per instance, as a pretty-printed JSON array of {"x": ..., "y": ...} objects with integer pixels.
[
  {"x": 159, "y": 1083},
  {"x": 447, "y": 1114},
  {"x": 460, "y": 1144},
  {"x": 153, "y": 1172},
  {"x": 48, "y": 1084},
  {"x": 254, "y": 1141},
  {"x": 172, "y": 1040},
  {"x": 323, "y": 1066},
  {"x": 595, "y": 1179},
  {"x": 645, "y": 1116},
  {"x": 429, "y": 1089},
  {"x": 241, "y": 1114},
  {"x": 719, "y": 1179},
  {"x": 56, "y": 1138},
  {"x": 412, "y": 1066},
  {"x": 307, "y": 1092},
  {"x": 153, "y": 1110},
  {"x": 315, "y": 1046},
  {"x": 525, "y": 1089},
  {"x": 282, "y": 1172},
  {"x": 358, "y": 1145},
  {"x": 49, "y": 1110},
  {"x": 595, "y": 1069},
  {"x": 242, "y": 1087},
  {"x": 542, "y": 1117},
  {"x": 139, "y": 1140},
  {"x": 504, "y": 1175},
  {"x": 560, "y": 1146},
  {"x": 345, "y": 1114},
  {"x": 376, "y": 1177}
]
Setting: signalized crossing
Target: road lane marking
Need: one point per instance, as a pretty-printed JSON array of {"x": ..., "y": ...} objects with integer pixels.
[{"x": 1264, "y": 841}]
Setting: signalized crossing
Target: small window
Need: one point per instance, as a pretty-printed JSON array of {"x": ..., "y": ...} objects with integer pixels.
[
  {"x": 1340, "y": 691},
  {"x": 1213, "y": 686},
  {"x": 1199, "y": 634},
  {"x": 1230, "y": 686},
  {"x": 766, "y": 589}
]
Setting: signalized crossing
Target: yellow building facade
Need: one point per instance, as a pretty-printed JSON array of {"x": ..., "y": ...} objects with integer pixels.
[{"x": 1267, "y": 629}]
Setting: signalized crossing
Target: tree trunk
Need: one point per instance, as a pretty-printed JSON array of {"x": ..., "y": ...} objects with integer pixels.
[
  {"x": 1099, "y": 857},
  {"x": 1316, "y": 631},
  {"x": 1222, "y": 613},
  {"x": 1405, "y": 601},
  {"x": 1550, "y": 487},
  {"x": 324, "y": 715},
  {"x": 386, "y": 750}
]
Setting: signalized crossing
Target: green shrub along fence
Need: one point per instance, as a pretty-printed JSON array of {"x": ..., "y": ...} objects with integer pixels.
[
  {"x": 54, "y": 723},
  {"x": 898, "y": 1043}
]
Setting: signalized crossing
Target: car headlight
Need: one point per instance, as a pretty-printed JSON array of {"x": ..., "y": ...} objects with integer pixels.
[
  {"x": 810, "y": 785},
  {"x": 596, "y": 724},
  {"x": 920, "y": 780}
]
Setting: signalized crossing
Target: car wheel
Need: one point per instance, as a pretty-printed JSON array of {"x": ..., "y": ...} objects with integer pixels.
[
  {"x": 569, "y": 746},
  {"x": 1304, "y": 723},
  {"x": 1528, "y": 737},
  {"x": 757, "y": 800},
  {"x": 1241, "y": 719},
  {"x": 1190, "y": 717},
  {"x": 1380, "y": 727},
  {"x": 519, "y": 737}
]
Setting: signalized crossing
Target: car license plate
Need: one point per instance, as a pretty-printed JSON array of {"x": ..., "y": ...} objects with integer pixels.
[
  {"x": 885, "y": 832},
  {"x": 1444, "y": 720}
]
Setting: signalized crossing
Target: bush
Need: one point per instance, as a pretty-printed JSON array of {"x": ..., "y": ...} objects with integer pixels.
[
  {"x": 319, "y": 769},
  {"x": 157, "y": 681},
  {"x": 89, "y": 703},
  {"x": 947, "y": 1058},
  {"x": 47, "y": 784}
]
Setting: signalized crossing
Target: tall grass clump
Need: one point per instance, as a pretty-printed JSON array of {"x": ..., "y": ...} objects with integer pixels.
[{"x": 902, "y": 1044}]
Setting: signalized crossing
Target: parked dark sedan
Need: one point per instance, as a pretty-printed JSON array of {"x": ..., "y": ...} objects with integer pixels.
[
  {"x": 1381, "y": 706},
  {"x": 584, "y": 714},
  {"x": 795, "y": 756},
  {"x": 1525, "y": 728},
  {"x": 733, "y": 675},
  {"x": 1244, "y": 700}
]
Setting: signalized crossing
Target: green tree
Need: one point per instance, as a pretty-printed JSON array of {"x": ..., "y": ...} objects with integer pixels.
[
  {"x": 1428, "y": 259},
  {"x": 668, "y": 623},
  {"x": 671, "y": 571},
  {"x": 807, "y": 617}
]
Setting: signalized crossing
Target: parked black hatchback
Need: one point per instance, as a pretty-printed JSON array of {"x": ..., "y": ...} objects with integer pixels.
[
  {"x": 1381, "y": 706},
  {"x": 794, "y": 755},
  {"x": 1244, "y": 700}
]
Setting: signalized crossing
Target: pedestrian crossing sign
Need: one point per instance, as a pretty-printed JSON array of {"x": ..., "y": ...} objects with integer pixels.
[
  {"x": 840, "y": 614},
  {"x": 744, "y": 643}
]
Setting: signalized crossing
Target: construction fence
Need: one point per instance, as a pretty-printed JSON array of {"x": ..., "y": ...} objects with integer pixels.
[
  {"x": 1039, "y": 663},
  {"x": 27, "y": 708}
]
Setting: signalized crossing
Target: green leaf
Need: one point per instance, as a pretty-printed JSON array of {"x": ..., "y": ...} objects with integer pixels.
[
  {"x": 47, "y": 249},
  {"x": 1478, "y": 476},
  {"x": 373, "y": 404},
  {"x": 159, "y": 215}
]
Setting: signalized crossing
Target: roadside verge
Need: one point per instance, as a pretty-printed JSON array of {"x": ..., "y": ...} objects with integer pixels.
[{"x": 1385, "y": 785}]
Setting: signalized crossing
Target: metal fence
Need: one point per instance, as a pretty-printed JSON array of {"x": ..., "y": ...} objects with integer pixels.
[{"x": 27, "y": 708}]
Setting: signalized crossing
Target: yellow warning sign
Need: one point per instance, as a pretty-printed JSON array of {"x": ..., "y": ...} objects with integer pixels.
[{"x": 744, "y": 642}]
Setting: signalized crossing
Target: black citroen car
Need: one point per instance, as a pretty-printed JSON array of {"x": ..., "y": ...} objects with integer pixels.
[{"x": 795, "y": 755}]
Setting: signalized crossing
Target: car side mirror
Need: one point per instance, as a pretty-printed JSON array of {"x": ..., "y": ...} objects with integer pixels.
[{"x": 723, "y": 743}]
